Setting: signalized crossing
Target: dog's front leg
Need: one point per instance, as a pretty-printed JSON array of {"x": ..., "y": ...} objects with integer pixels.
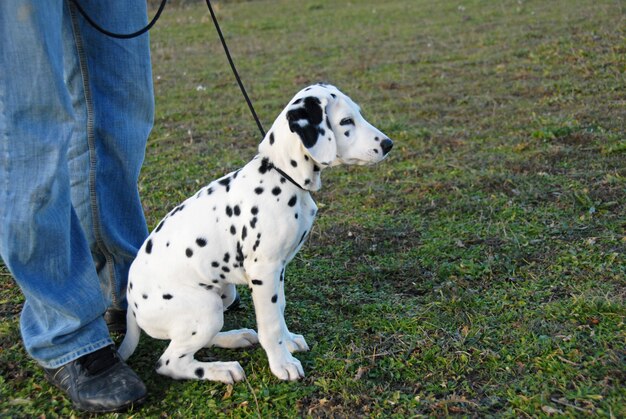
[{"x": 275, "y": 338}]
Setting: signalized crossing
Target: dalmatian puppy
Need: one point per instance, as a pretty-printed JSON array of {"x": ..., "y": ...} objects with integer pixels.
[{"x": 243, "y": 229}]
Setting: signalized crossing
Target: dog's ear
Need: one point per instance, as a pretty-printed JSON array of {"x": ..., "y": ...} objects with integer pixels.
[{"x": 307, "y": 118}]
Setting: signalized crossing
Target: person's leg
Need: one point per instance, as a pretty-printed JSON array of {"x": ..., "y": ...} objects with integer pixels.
[
  {"x": 114, "y": 94},
  {"x": 41, "y": 240}
]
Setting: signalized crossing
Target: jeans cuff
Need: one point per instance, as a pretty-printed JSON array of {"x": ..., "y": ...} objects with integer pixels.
[{"x": 87, "y": 349}]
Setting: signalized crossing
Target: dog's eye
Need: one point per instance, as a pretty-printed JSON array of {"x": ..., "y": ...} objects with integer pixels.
[{"x": 347, "y": 121}]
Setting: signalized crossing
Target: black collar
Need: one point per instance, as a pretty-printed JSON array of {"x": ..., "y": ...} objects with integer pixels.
[{"x": 286, "y": 176}]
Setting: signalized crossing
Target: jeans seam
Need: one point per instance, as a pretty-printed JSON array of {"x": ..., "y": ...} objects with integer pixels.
[
  {"x": 4, "y": 152},
  {"x": 91, "y": 142}
]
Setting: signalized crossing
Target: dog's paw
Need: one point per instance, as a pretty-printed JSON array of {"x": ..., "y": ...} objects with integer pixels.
[
  {"x": 296, "y": 343},
  {"x": 288, "y": 369},
  {"x": 225, "y": 372},
  {"x": 233, "y": 339},
  {"x": 248, "y": 337}
]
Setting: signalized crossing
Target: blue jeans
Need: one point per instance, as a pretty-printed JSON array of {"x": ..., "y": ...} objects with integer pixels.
[{"x": 76, "y": 108}]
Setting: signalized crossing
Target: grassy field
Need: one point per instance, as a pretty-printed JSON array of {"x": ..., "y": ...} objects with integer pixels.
[{"x": 479, "y": 271}]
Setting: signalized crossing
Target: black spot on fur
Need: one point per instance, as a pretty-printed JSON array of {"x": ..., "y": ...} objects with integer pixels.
[
  {"x": 257, "y": 282},
  {"x": 265, "y": 166},
  {"x": 292, "y": 201},
  {"x": 177, "y": 209},
  {"x": 233, "y": 230},
  {"x": 216, "y": 281},
  {"x": 282, "y": 275},
  {"x": 209, "y": 191},
  {"x": 225, "y": 268},
  {"x": 303, "y": 236},
  {"x": 189, "y": 252},
  {"x": 294, "y": 163},
  {"x": 144, "y": 296},
  {"x": 258, "y": 190},
  {"x": 244, "y": 233},
  {"x": 201, "y": 242},
  {"x": 215, "y": 264},
  {"x": 160, "y": 226},
  {"x": 316, "y": 168},
  {"x": 224, "y": 182},
  {"x": 229, "y": 211},
  {"x": 239, "y": 257},
  {"x": 193, "y": 333},
  {"x": 149, "y": 247},
  {"x": 274, "y": 298},
  {"x": 253, "y": 222},
  {"x": 271, "y": 138},
  {"x": 307, "y": 181},
  {"x": 182, "y": 356},
  {"x": 205, "y": 286},
  {"x": 237, "y": 211},
  {"x": 254, "y": 210},
  {"x": 199, "y": 372},
  {"x": 276, "y": 191},
  {"x": 226, "y": 257},
  {"x": 312, "y": 113},
  {"x": 130, "y": 285},
  {"x": 167, "y": 296}
]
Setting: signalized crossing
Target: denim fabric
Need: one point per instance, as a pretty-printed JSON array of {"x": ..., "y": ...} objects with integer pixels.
[{"x": 76, "y": 108}]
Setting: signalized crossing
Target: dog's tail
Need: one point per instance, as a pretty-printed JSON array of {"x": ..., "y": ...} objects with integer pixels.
[{"x": 133, "y": 332}]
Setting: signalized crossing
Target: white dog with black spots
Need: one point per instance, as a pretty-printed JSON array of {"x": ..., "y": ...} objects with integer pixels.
[{"x": 243, "y": 229}]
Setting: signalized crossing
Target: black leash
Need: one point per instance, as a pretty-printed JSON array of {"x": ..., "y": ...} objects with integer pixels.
[
  {"x": 151, "y": 24},
  {"x": 120, "y": 35},
  {"x": 286, "y": 176},
  {"x": 232, "y": 66}
]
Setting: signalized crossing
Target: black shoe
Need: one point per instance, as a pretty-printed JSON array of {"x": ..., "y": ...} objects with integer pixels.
[
  {"x": 116, "y": 320},
  {"x": 99, "y": 382}
]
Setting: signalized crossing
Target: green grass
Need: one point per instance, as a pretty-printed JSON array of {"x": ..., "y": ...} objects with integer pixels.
[{"x": 479, "y": 271}]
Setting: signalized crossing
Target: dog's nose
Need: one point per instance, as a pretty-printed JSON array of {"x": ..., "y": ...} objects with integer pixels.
[{"x": 386, "y": 145}]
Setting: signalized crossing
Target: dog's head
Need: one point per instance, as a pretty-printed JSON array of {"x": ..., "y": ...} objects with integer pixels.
[{"x": 324, "y": 126}]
